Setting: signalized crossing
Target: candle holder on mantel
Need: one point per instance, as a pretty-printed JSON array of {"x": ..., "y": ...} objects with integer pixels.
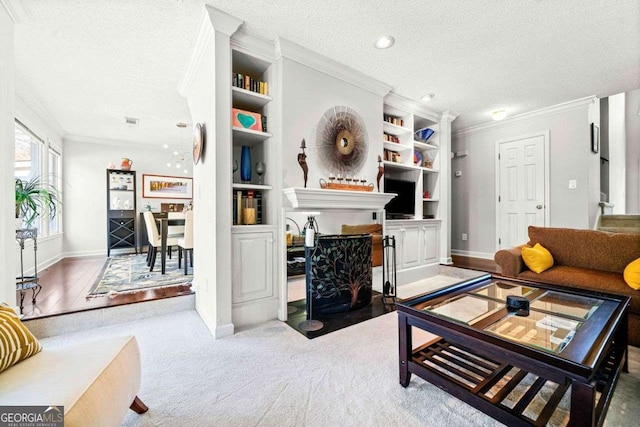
[{"x": 349, "y": 187}]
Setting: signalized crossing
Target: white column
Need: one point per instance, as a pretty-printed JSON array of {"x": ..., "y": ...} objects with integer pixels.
[
  {"x": 206, "y": 83},
  {"x": 7, "y": 147},
  {"x": 445, "y": 186}
]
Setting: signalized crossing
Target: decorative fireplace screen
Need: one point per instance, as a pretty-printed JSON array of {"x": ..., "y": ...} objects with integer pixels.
[{"x": 340, "y": 273}]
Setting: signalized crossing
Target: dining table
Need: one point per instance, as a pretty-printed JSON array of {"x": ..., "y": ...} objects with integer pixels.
[{"x": 164, "y": 231}]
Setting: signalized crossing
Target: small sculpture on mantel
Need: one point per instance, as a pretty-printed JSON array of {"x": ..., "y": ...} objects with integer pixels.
[
  {"x": 380, "y": 171},
  {"x": 302, "y": 160}
]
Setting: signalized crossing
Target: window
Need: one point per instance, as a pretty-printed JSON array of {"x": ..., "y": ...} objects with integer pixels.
[
  {"x": 55, "y": 181},
  {"x": 28, "y": 153},
  {"x": 34, "y": 157}
]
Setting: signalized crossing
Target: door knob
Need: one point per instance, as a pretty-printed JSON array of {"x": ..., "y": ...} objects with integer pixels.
[{"x": 539, "y": 207}]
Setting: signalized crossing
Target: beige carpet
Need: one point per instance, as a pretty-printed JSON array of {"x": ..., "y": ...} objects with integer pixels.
[{"x": 270, "y": 375}]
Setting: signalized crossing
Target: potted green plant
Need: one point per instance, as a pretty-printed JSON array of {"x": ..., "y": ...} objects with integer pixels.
[{"x": 33, "y": 199}]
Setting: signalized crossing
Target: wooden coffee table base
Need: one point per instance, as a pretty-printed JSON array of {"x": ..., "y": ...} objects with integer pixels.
[{"x": 488, "y": 384}]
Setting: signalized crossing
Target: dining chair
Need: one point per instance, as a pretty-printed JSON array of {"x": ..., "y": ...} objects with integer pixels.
[
  {"x": 185, "y": 244},
  {"x": 155, "y": 240},
  {"x": 176, "y": 230}
]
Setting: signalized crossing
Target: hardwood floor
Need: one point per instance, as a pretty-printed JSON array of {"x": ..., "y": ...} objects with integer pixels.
[{"x": 66, "y": 284}]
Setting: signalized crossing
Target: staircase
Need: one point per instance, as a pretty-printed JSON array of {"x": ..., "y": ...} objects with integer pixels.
[{"x": 619, "y": 223}]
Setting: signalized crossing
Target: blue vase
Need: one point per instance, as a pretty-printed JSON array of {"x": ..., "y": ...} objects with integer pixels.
[{"x": 245, "y": 164}]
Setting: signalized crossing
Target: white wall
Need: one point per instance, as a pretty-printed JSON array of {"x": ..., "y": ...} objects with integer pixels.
[
  {"x": 50, "y": 248},
  {"x": 84, "y": 188},
  {"x": 633, "y": 151},
  {"x": 7, "y": 147},
  {"x": 617, "y": 153},
  {"x": 473, "y": 195},
  {"x": 303, "y": 104}
]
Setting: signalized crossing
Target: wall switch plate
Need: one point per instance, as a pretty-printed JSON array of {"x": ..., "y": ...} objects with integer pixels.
[
  {"x": 573, "y": 184},
  {"x": 458, "y": 174},
  {"x": 464, "y": 237}
]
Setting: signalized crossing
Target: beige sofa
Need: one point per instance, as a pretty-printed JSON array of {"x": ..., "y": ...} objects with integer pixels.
[
  {"x": 95, "y": 381},
  {"x": 583, "y": 259}
]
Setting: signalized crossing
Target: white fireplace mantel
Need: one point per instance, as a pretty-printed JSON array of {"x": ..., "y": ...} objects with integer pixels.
[{"x": 318, "y": 198}]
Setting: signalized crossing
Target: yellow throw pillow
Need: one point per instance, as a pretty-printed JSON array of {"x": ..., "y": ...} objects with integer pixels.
[
  {"x": 632, "y": 274},
  {"x": 537, "y": 258},
  {"x": 16, "y": 342}
]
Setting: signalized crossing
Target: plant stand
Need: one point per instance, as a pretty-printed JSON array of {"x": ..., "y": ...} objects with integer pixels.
[{"x": 24, "y": 283}]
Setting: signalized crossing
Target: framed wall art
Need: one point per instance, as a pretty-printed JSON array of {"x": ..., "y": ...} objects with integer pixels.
[{"x": 166, "y": 187}]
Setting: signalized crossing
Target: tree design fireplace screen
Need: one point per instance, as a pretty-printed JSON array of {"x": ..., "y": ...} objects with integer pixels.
[{"x": 340, "y": 273}]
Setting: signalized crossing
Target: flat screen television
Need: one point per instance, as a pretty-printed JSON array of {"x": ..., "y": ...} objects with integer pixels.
[{"x": 404, "y": 205}]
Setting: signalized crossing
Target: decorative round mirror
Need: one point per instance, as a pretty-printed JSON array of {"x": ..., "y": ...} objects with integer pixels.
[{"x": 341, "y": 140}]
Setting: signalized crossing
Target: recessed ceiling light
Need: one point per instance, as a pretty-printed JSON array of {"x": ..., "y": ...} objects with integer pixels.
[
  {"x": 385, "y": 42},
  {"x": 428, "y": 97},
  {"x": 165, "y": 146},
  {"x": 498, "y": 114}
]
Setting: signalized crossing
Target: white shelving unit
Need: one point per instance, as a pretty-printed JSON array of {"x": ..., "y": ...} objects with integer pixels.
[
  {"x": 254, "y": 247},
  {"x": 260, "y": 142},
  {"x": 423, "y": 168},
  {"x": 418, "y": 239}
]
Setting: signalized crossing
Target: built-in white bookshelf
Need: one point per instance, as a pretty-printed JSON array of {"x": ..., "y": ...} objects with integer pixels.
[
  {"x": 258, "y": 74},
  {"x": 409, "y": 159}
]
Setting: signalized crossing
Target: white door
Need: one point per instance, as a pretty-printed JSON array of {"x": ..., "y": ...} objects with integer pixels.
[{"x": 521, "y": 189}]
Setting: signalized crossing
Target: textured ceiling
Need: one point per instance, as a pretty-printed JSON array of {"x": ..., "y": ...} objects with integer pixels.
[{"x": 92, "y": 62}]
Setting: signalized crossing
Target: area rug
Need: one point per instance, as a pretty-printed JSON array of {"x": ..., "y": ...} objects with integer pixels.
[{"x": 129, "y": 273}]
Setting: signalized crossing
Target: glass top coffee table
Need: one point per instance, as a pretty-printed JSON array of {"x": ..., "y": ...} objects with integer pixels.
[{"x": 524, "y": 353}]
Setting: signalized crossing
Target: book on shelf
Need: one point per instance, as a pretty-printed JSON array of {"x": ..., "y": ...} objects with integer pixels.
[
  {"x": 390, "y": 138},
  {"x": 393, "y": 120},
  {"x": 246, "y": 82}
]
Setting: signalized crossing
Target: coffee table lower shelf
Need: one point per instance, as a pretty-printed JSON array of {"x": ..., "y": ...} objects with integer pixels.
[{"x": 508, "y": 393}]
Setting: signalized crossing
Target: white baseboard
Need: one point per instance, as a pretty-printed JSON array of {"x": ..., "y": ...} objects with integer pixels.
[
  {"x": 253, "y": 312},
  {"x": 472, "y": 254},
  {"x": 217, "y": 331},
  {"x": 81, "y": 254},
  {"x": 224, "y": 331},
  {"x": 44, "y": 264}
]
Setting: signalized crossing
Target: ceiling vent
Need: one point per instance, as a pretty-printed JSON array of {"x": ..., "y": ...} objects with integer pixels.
[{"x": 131, "y": 121}]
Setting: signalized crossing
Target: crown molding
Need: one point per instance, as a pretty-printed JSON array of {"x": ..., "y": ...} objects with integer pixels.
[
  {"x": 543, "y": 112},
  {"x": 23, "y": 92},
  {"x": 329, "y": 66},
  {"x": 109, "y": 142},
  {"x": 205, "y": 34},
  {"x": 412, "y": 106},
  {"x": 17, "y": 11},
  {"x": 449, "y": 116},
  {"x": 254, "y": 44},
  {"x": 213, "y": 20},
  {"x": 223, "y": 22}
]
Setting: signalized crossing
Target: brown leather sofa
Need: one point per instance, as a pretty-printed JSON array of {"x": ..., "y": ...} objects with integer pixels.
[
  {"x": 376, "y": 233},
  {"x": 583, "y": 259}
]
